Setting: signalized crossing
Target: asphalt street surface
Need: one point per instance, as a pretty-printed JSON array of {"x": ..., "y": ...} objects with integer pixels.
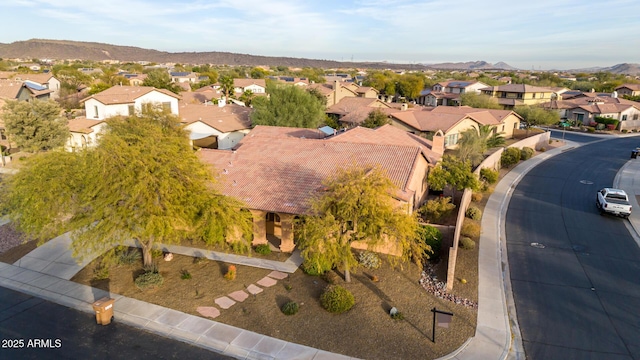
[
  {"x": 575, "y": 273},
  {"x": 32, "y": 328}
]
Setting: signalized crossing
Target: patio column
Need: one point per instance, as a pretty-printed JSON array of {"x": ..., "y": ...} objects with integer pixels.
[
  {"x": 259, "y": 227},
  {"x": 286, "y": 243}
]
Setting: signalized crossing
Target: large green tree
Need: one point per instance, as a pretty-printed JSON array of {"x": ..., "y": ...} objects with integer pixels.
[
  {"x": 376, "y": 118},
  {"x": 35, "y": 125},
  {"x": 357, "y": 205},
  {"x": 141, "y": 182},
  {"x": 454, "y": 173},
  {"x": 410, "y": 85},
  {"x": 537, "y": 116},
  {"x": 160, "y": 79},
  {"x": 480, "y": 101},
  {"x": 290, "y": 106}
]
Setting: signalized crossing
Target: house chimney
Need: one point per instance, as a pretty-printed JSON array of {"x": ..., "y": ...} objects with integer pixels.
[
  {"x": 404, "y": 106},
  {"x": 438, "y": 143}
]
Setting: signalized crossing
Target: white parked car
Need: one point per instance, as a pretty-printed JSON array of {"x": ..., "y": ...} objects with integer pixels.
[{"x": 613, "y": 201}]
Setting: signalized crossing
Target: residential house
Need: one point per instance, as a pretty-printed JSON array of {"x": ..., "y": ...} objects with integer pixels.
[
  {"x": 136, "y": 79},
  {"x": 206, "y": 94},
  {"x": 628, "y": 89},
  {"x": 215, "y": 126},
  {"x": 46, "y": 80},
  {"x": 511, "y": 95},
  {"x": 585, "y": 109},
  {"x": 447, "y": 93},
  {"x": 336, "y": 91},
  {"x": 127, "y": 100},
  {"x": 276, "y": 171},
  {"x": 452, "y": 121},
  {"x": 83, "y": 133},
  {"x": 183, "y": 77},
  {"x": 291, "y": 80},
  {"x": 351, "y": 111},
  {"x": 23, "y": 90},
  {"x": 256, "y": 86}
]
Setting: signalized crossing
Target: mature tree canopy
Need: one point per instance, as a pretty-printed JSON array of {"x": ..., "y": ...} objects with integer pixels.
[
  {"x": 376, "y": 118},
  {"x": 288, "y": 105},
  {"x": 454, "y": 173},
  {"x": 142, "y": 182},
  {"x": 410, "y": 85},
  {"x": 160, "y": 79},
  {"x": 226, "y": 83},
  {"x": 35, "y": 125},
  {"x": 537, "y": 116},
  {"x": 357, "y": 205},
  {"x": 479, "y": 101}
]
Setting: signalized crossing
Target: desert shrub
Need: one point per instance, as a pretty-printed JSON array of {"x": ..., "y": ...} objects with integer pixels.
[
  {"x": 129, "y": 257},
  {"x": 263, "y": 249},
  {"x": 470, "y": 228},
  {"x": 153, "y": 267},
  {"x": 240, "y": 247},
  {"x": 185, "y": 275},
  {"x": 336, "y": 299},
  {"x": 369, "y": 259},
  {"x": 331, "y": 277},
  {"x": 510, "y": 156},
  {"x": 467, "y": 243},
  {"x": 526, "y": 153},
  {"x": 476, "y": 196},
  {"x": 148, "y": 280},
  {"x": 542, "y": 149},
  {"x": 591, "y": 129},
  {"x": 231, "y": 273},
  {"x": 436, "y": 209},
  {"x": 473, "y": 213},
  {"x": 316, "y": 266},
  {"x": 156, "y": 253},
  {"x": 489, "y": 175},
  {"x": 432, "y": 237},
  {"x": 199, "y": 260},
  {"x": 101, "y": 272},
  {"x": 290, "y": 308}
]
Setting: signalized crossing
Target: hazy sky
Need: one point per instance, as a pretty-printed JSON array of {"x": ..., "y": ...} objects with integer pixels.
[{"x": 560, "y": 34}]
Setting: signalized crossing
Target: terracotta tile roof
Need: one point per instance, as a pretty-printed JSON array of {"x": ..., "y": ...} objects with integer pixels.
[
  {"x": 588, "y": 101},
  {"x": 286, "y": 132},
  {"x": 125, "y": 94},
  {"x": 281, "y": 176},
  {"x": 364, "y": 89},
  {"x": 324, "y": 89},
  {"x": 242, "y": 83},
  {"x": 349, "y": 104},
  {"x": 224, "y": 119},
  {"x": 518, "y": 88},
  {"x": 39, "y": 78},
  {"x": 9, "y": 89},
  {"x": 83, "y": 125},
  {"x": 634, "y": 87},
  {"x": 605, "y": 108},
  {"x": 5, "y": 75},
  {"x": 482, "y": 116},
  {"x": 387, "y": 135}
]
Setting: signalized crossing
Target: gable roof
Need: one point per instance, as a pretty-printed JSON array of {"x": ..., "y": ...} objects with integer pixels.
[
  {"x": 387, "y": 135},
  {"x": 281, "y": 176},
  {"x": 446, "y": 117},
  {"x": 121, "y": 94},
  {"x": 83, "y": 125},
  {"x": 9, "y": 89},
  {"x": 518, "y": 88},
  {"x": 243, "y": 83},
  {"x": 38, "y": 78},
  {"x": 634, "y": 87},
  {"x": 225, "y": 119},
  {"x": 285, "y": 132}
]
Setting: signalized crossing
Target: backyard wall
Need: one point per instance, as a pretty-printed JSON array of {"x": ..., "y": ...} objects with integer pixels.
[{"x": 493, "y": 162}]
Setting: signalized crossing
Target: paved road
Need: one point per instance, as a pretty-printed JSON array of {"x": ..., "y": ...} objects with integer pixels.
[
  {"x": 64, "y": 333},
  {"x": 575, "y": 274}
]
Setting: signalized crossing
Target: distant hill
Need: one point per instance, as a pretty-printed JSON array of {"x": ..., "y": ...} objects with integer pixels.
[
  {"x": 624, "y": 68},
  {"x": 472, "y": 65},
  {"x": 64, "y": 49}
]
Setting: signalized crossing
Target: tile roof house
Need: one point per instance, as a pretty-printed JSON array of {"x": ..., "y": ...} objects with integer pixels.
[
  {"x": 183, "y": 77},
  {"x": 336, "y": 91},
  {"x": 127, "y": 100},
  {"x": 452, "y": 121},
  {"x": 276, "y": 171},
  {"x": 628, "y": 89},
  {"x": 354, "y": 110},
  {"x": 447, "y": 93},
  {"x": 586, "y": 107},
  {"x": 511, "y": 95},
  {"x": 83, "y": 133},
  {"x": 256, "y": 86},
  {"x": 45, "y": 80},
  {"x": 213, "y": 126},
  {"x": 23, "y": 90}
]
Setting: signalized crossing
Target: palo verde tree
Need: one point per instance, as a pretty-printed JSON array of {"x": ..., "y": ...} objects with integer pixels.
[
  {"x": 357, "y": 205},
  {"x": 288, "y": 105},
  {"x": 479, "y": 101},
  {"x": 454, "y": 173},
  {"x": 376, "y": 118},
  {"x": 141, "y": 182},
  {"x": 36, "y": 125},
  {"x": 537, "y": 116}
]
